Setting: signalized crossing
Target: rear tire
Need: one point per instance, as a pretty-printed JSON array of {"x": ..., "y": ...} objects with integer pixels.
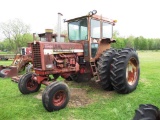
[
  {"x": 55, "y": 96},
  {"x": 104, "y": 67},
  {"x": 26, "y": 85},
  {"x": 125, "y": 71},
  {"x": 147, "y": 112}
]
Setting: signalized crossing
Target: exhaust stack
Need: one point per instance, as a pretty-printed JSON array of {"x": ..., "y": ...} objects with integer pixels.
[
  {"x": 48, "y": 34},
  {"x": 59, "y": 27}
]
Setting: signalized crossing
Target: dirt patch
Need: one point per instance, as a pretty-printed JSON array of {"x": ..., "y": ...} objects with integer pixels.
[
  {"x": 78, "y": 97},
  {"x": 39, "y": 96}
]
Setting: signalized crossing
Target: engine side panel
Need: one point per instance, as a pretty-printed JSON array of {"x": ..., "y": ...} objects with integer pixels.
[{"x": 52, "y": 58}]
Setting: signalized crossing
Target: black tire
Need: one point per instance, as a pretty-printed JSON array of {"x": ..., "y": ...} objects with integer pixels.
[
  {"x": 45, "y": 91},
  {"x": 125, "y": 71},
  {"x": 81, "y": 77},
  {"x": 26, "y": 85},
  {"x": 104, "y": 67},
  {"x": 4, "y": 72},
  {"x": 2, "y": 75},
  {"x": 76, "y": 77},
  {"x": 147, "y": 112},
  {"x": 56, "y": 96},
  {"x": 29, "y": 68},
  {"x": 56, "y": 76},
  {"x": 70, "y": 78}
]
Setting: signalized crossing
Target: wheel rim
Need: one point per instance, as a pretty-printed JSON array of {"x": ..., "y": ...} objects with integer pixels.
[
  {"x": 132, "y": 71},
  {"x": 31, "y": 85},
  {"x": 59, "y": 98}
]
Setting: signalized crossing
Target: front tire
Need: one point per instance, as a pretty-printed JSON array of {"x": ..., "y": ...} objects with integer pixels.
[
  {"x": 147, "y": 112},
  {"x": 26, "y": 85},
  {"x": 55, "y": 96},
  {"x": 125, "y": 71}
]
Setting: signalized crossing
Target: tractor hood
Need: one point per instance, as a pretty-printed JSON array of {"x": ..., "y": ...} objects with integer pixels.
[{"x": 59, "y": 47}]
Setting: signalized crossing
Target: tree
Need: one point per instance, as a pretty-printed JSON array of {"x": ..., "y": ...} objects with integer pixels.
[
  {"x": 129, "y": 42},
  {"x": 151, "y": 44},
  {"x": 15, "y": 31},
  {"x": 136, "y": 43},
  {"x": 115, "y": 34}
]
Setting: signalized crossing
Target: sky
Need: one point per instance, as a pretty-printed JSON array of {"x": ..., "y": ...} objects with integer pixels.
[{"x": 134, "y": 17}]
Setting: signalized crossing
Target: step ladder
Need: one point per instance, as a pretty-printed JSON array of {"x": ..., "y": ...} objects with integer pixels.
[{"x": 94, "y": 71}]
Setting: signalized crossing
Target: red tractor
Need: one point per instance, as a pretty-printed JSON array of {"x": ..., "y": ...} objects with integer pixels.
[{"x": 87, "y": 55}]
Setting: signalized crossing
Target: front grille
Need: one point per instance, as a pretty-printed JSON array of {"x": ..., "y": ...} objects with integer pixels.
[{"x": 36, "y": 56}]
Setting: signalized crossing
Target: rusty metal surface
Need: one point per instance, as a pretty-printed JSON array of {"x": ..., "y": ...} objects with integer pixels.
[
  {"x": 132, "y": 71},
  {"x": 57, "y": 45},
  {"x": 20, "y": 61},
  {"x": 62, "y": 53},
  {"x": 103, "y": 45},
  {"x": 99, "y": 17},
  {"x": 18, "y": 64}
]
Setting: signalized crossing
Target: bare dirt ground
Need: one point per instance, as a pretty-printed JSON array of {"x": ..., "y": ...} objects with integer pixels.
[{"x": 79, "y": 96}]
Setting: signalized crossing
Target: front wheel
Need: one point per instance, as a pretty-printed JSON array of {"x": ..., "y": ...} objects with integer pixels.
[
  {"x": 55, "y": 96},
  {"x": 26, "y": 85}
]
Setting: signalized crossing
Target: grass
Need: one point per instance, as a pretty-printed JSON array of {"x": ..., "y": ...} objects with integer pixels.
[
  {"x": 105, "y": 105},
  {"x": 6, "y": 63},
  {"x": 5, "y": 53}
]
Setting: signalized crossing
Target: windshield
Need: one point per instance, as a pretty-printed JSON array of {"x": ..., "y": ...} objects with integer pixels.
[{"x": 78, "y": 29}]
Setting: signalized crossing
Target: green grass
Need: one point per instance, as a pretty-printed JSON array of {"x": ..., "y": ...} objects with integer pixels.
[
  {"x": 104, "y": 106},
  {"x": 6, "y": 63},
  {"x": 5, "y": 53}
]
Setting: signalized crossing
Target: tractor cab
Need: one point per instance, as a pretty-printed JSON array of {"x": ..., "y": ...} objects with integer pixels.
[{"x": 93, "y": 31}]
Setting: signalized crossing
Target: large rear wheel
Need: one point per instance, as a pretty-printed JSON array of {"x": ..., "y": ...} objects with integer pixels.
[
  {"x": 55, "y": 96},
  {"x": 125, "y": 71},
  {"x": 26, "y": 85},
  {"x": 147, "y": 112},
  {"x": 104, "y": 67}
]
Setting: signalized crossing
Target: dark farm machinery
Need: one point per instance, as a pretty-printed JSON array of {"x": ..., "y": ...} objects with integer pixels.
[
  {"x": 23, "y": 61},
  {"x": 88, "y": 55},
  {"x": 19, "y": 63}
]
